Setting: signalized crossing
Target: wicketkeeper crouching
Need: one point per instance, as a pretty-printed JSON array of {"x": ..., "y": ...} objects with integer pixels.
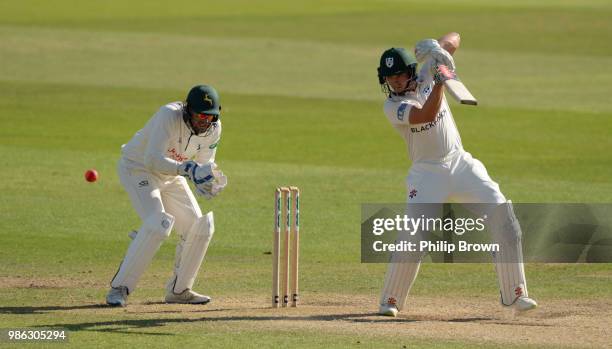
[{"x": 177, "y": 144}]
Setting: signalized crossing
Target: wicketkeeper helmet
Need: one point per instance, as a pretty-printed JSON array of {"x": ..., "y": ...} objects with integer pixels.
[{"x": 204, "y": 99}]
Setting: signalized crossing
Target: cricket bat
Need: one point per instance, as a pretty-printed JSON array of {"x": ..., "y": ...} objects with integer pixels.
[{"x": 455, "y": 87}]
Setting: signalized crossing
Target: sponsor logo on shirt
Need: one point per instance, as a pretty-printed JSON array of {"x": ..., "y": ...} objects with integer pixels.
[
  {"x": 428, "y": 126},
  {"x": 176, "y": 155}
]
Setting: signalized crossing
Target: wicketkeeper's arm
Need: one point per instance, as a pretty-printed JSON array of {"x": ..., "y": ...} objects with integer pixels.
[{"x": 155, "y": 158}]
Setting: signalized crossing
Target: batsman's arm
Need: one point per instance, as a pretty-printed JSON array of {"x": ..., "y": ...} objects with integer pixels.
[
  {"x": 450, "y": 42},
  {"x": 430, "y": 108}
]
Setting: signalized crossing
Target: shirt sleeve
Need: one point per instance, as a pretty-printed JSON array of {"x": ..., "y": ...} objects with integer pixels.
[
  {"x": 155, "y": 155},
  {"x": 397, "y": 112}
]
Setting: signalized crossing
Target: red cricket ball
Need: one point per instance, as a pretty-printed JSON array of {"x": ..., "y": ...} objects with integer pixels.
[{"x": 91, "y": 175}]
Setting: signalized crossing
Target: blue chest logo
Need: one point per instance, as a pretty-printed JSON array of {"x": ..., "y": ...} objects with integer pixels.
[{"x": 401, "y": 111}]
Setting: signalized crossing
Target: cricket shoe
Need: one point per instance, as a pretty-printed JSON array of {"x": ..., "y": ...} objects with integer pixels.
[
  {"x": 388, "y": 310},
  {"x": 186, "y": 297},
  {"x": 525, "y": 304},
  {"x": 117, "y": 296}
]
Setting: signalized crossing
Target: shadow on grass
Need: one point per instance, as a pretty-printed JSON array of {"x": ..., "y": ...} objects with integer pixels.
[
  {"x": 131, "y": 326},
  {"x": 40, "y": 310},
  {"x": 138, "y": 325}
]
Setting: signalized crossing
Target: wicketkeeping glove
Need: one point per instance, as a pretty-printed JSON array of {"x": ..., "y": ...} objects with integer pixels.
[
  {"x": 430, "y": 49},
  {"x": 212, "y": 188},
  {"x": 198, "y": 174}
]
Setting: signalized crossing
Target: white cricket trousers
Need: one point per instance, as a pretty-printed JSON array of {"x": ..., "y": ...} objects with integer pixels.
[
  {"x": 460, "y": 178},
  {"x": 151, "y": 193}
]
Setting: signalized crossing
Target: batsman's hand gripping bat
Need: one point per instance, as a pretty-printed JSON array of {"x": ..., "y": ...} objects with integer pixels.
[{"x": 455, "y": 87}]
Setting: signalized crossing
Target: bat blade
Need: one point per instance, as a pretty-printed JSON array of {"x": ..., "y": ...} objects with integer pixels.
[
  {"x": 455, "y": 87},
  {"x": 460, "y": 93}
]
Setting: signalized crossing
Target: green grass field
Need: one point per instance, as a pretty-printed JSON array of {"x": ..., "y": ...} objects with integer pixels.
[{"x": 301, "y": 106}]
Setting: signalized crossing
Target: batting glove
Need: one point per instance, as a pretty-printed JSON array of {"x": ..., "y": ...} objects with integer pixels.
[
  {"x": 430, "y": 49},
  {"x": 443, "y": 73}
]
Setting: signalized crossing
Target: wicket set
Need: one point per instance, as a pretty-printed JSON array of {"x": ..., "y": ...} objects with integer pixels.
[{"x": 287, "y": 215}]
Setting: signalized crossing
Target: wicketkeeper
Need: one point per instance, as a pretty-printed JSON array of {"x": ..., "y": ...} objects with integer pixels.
[
  {"x": 175, "y": 147},
  {"x": 442, "y": 170}
]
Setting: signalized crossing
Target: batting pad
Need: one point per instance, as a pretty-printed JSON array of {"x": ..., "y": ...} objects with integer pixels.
[
  {"x": 506, "y": 231},
  {"x": 401, "y": 273},
  {"x": 398, "y": 282},
  {"x": 154, "y": 230},
  {"x": 191, "y": 251}
]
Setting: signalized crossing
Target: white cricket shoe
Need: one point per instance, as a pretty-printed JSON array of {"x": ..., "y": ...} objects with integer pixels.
[
  {"x": 186, "y": 297},
  {"x": 525, "y": 304},
  {"x": 117, "y": 297},
  {"x": 388, "y": 310}
]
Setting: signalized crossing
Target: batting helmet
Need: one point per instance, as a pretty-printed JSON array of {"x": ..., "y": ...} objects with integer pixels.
[{"x": 395, "y": 61}]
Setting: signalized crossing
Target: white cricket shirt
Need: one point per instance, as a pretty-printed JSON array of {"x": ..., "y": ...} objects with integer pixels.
[
  {"x": 166, "y": 141},
  {"x": 431, "y": 141}
]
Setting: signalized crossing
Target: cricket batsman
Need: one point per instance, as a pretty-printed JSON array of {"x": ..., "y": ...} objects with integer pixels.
[
  {"x": 176, "y": 146},
  {"x": 442, "y": 170}
]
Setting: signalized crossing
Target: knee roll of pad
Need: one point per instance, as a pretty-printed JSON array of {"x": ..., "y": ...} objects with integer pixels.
[
  {"x": 160, "y": 224},
  {"x": 204, "y": 225},
  {"x": 503, "y": 224}
]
